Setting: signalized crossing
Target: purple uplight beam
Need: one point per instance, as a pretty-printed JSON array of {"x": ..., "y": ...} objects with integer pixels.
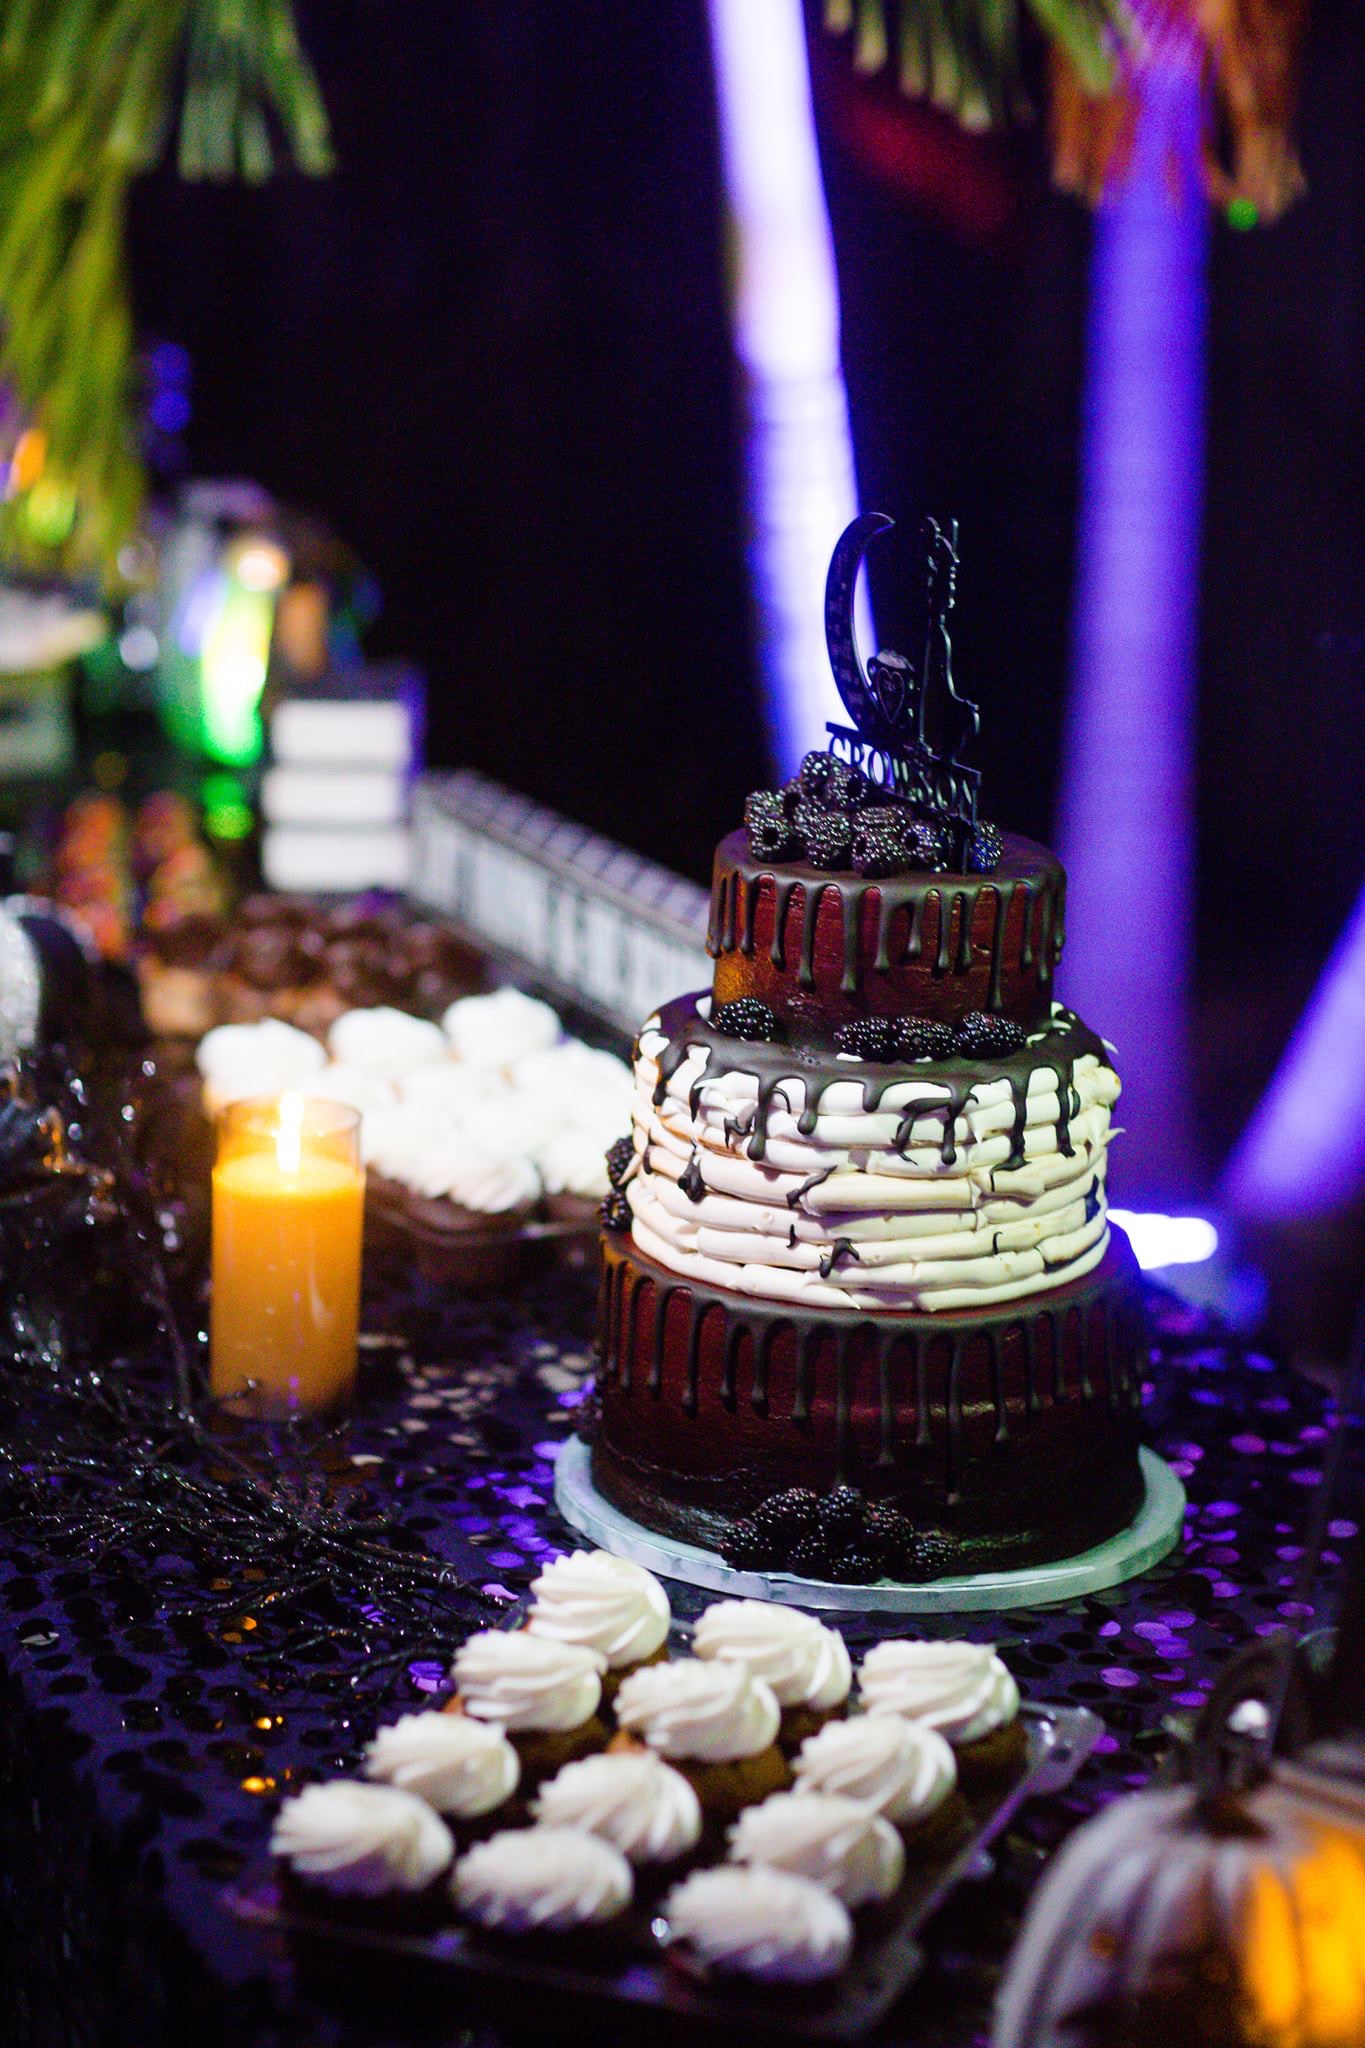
[
  {"x": 798, "y": 447},
  {"x": 1126, "y": 817},
  {"x": 1303, "y": 1153}
]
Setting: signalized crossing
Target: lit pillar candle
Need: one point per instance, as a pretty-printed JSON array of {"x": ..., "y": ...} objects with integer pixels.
[{"x": 288, "y": 1214}]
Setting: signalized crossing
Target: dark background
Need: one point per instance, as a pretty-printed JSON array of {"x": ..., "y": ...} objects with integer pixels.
[{"x": 493, "y": 352}]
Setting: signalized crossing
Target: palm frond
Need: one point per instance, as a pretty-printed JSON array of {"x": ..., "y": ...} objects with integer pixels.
[
  {"x": 963, "y": 55},
  {"x": 87, "y": 100}
]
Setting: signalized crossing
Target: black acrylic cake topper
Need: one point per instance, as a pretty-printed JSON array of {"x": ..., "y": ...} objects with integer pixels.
[{"x": 910, "y": 729}]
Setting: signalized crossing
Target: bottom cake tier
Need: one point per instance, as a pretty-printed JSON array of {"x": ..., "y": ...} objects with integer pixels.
[{"x": 1010, "y": 1433}]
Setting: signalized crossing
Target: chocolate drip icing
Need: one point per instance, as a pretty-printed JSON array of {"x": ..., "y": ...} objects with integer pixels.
[
  {"x": 746, "y": 937},
  {"x": 886, "y": 1392},
  {"x": 797, "y": 1197},
  {"x": 1107, "y": 1368},
  {"x": 770, "y": 1065},
  {"x": 786, "y": 889},
  {"x": 690, "y": 1180},
  {"x": 842, "y": 1248},
  {"x": 740, "y": 883}
]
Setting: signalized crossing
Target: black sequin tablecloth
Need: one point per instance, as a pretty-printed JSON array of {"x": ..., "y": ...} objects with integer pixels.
[{"x": 142, "y": 1754}]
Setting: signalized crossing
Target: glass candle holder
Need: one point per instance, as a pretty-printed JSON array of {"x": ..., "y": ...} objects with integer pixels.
[{"x": 288, "y": 1219}]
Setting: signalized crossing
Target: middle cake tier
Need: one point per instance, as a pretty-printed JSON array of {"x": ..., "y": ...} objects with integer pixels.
[{"x": 807, "y": 1176}]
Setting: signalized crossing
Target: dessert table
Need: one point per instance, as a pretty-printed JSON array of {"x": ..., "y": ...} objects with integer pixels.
[{"x": 152, "y": 1716}]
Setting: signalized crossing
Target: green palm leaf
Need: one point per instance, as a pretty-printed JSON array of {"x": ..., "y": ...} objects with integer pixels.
[{"x": 87, "y": 98}]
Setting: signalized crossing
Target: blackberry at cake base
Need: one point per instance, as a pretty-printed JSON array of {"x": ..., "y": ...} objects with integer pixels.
[{"x": 864, "y": 1240}]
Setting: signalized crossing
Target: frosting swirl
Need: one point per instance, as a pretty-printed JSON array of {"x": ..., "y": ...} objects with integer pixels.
[
  {"x": 838, "y": 1843},
  {"x": 527, "y": 1683},
  {"x": 545, "y": 1878},
  {"x": 805, "y": 1663},
  {"x": 631, "y": 1798},
  {"x": 436, "y": 1161},
  {"x": 371, "y": 1094},
  {"x": 385, "y": 1041},
  {"x": 606, "y": 1603},
  {"x": 460, "y": 1766},
  {"x": 705, "y": 1712},
  {"x": 499, "y": 1029},
  {"x": 239, "y": 1061},
  {"x": 447, "y": 1089},
  {"x": 900, "y": 1769},
  {"x": 760, "y": 1923},
  {"x": 362, "y": 1840},
  {"x": 573, "y": 1161},
  {"x": 944, "y": 1195},
  {"x": 594, "y": 1087},
  {"x": 961, "y": 1689}
]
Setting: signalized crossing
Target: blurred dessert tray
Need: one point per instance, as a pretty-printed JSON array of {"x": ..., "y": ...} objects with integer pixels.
[
  {"x": 345, "y": 1956},
  {"x": 476, "y": 1259}
]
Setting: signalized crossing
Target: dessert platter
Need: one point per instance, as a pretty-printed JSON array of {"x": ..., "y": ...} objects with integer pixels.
[
  {"x": 723, "y": 1820},
  {"x": 864, "y": 1317},
  {"x": 484, "y": 1134}
]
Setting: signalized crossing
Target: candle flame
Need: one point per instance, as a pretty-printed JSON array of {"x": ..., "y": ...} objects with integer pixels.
[{"x": 289, "y": 1137}]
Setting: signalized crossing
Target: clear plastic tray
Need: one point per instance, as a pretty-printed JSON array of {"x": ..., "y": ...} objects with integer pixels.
[{"x": 410, "y": 1968}]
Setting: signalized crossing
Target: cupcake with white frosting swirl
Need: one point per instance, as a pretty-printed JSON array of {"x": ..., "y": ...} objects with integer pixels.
[
  {"x": 806, "y": 1664},
  {"x": 470, "y": 1202},
  {"x": 465, "y": 1769},
  {"x": 605, "y": 1603},
  {"x": 369, "y": 1851},
  {"x": 499, "y": 1029},
  {"x": 543, "y": 1881},
  {"x": 838, "y": 1843},
  {"x": 758, "y": 1923},
  {"x": 630, "y": 1798},
  {"x": 543, "y": 1695},
  {"x": 961, "y": 1690},
  {"x": 905, "y": 1773},
  {"x": 385, "y": 1042},
  {"x": 715, "y": 1722}
]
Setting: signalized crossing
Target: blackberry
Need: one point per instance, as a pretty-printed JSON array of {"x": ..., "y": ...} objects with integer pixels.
[
  {"x": 926, "y": 844},
  {"x": 983, "y": 1037},
  {"x": 790, "y": 1514},
  {"x": 831, "y": 783},
  {"x": 792, "y": 796},
  {"x": 615, "y": 1211},
  {"x": 930, "y": 1557},
  {"x": 922, "y": 1038},
  {"x": 769, "y": 826},
  {"x": 751, "y": 1548},
  {"x": 892, "y": 1536},
  {"x": 806, "y": 817},
  {"x": 748, "y": 1018},
  {"x": 858, "y": 1565},
  {"x": 775, "y": 838},
  {"x": 620, "y": 1158},
  {"x": 985, "y": 849},
  {"x": 809, "y": 1557},
  {"x": 839, "y": 1516},
  {"x": 829, "y": 840},
  {"x": 870, "y": 1038},
  {"x": 879, "y": 842},
  {"x": 761, "y": 806}
]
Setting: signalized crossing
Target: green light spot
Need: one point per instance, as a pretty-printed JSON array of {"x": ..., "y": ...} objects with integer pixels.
[
  {"x": 227, "y": 814},
  {"x": 1242, "y": 213}
]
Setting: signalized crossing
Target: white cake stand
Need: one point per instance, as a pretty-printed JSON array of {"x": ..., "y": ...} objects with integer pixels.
[{"x": 1152, "y": 1534}]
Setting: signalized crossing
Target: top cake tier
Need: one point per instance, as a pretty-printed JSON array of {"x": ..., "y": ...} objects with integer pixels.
[{"x": 822, "y": 948}]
